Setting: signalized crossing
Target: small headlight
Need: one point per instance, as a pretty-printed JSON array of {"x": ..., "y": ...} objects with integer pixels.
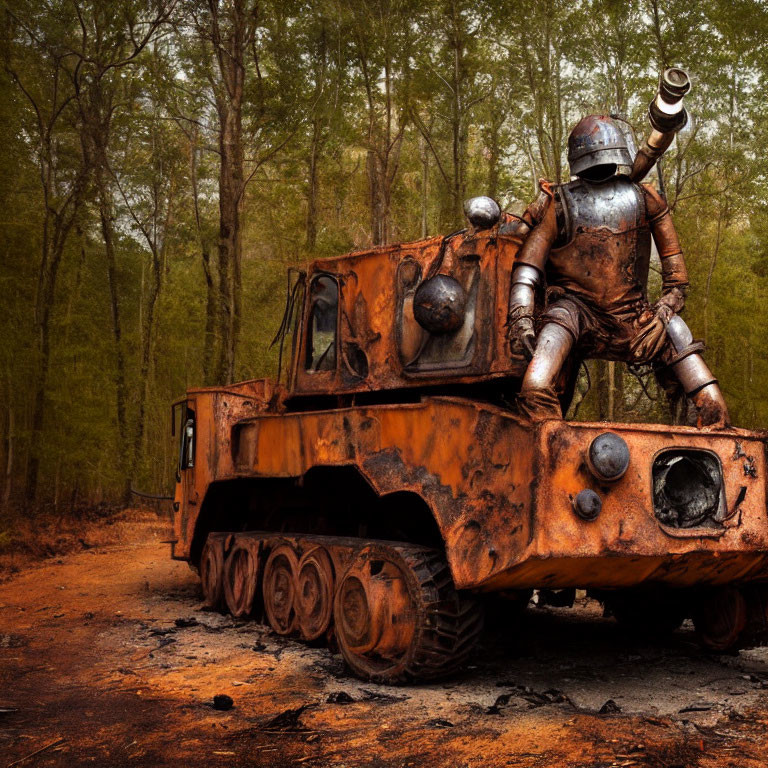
[
  {"x": 608, "y": 457},
  {"x": 587, "y": 505}
]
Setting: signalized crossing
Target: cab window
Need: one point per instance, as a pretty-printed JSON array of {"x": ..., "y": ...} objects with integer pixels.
[
  {"x": 187, "y": 442},
  {"x": 322, "y": 330}
]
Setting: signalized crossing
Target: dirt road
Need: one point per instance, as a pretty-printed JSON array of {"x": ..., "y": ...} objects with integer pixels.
[{"x": 109, "y": 652}]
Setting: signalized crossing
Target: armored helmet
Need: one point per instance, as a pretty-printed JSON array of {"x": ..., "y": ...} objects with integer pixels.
[{"x": 596, "y": 140}]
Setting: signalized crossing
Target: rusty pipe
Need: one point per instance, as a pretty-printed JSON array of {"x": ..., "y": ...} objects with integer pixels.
[{"x": 667, "y": 116}]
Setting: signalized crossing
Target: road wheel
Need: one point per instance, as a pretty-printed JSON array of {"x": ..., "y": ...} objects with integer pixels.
[
  {"x": 314, "y": 594},
  {"x": 241, "y": 573},
  {"x": 211, "y": 572},
  {"x": 720, "y": 618},
  {"x": 398, "y": 616},
  {"x": 648, "y": 613},
  {"x": 279, "y": 589}
]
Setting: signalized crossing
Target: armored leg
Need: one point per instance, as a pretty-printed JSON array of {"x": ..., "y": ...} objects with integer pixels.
[
  {"x": 538, "y": 399},
  {"x": 696, "y": 378}
]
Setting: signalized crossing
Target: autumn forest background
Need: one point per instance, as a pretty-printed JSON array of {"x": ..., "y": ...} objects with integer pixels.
[{"x": 164, "y": 163}]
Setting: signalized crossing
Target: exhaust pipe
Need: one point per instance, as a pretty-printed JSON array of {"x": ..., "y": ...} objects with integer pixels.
[{"x": 667, "y": 116}]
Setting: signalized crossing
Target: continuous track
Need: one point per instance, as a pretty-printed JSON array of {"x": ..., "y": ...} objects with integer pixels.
[{"x": 391, "y": 607}]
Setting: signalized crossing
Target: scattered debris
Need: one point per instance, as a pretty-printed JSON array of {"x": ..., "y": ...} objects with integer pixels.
[
  {"x": 703, "y": 707},
  {"x": 55, "y": 743},
  {"x": 501, "y": 701},
  {"x": 88, "y": 615},
  {"x": 312, "y": 737},
  {"x": 339, "y": 697},
  {"x": 609, "y": 708},
  {"x": 288, "y": 720},
  {"x": 12, "y": 641},
  {"x": 222, "y": 702},
  {"x": 378, "y": 696},
  {"x": 439, "y": 722},
  {"x": 655, "y": 721},
  {"x": 161, "y": 631},
  {"x": 189, "y": 621},
  {"x": 534, "y": 698},
  {"x": 125, "y": 671}
]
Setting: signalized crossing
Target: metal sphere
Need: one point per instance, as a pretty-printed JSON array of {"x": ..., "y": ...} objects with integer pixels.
[
  {"x": 439, "y": 304},
  {"x": 483, "y": 212}
]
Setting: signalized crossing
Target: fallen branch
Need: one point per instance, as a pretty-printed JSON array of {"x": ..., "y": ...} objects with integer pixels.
[{"x": 55, "y": 743}]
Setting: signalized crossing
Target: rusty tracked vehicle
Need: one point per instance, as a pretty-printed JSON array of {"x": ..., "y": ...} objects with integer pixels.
[{"x": 377, "y": 497}]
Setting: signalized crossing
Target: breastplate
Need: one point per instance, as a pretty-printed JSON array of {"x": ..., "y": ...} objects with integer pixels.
[{"x": 607, "y": 251}]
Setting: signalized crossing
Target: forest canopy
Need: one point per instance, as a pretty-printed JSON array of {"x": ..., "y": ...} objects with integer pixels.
[{"x": 165, "y": 162}]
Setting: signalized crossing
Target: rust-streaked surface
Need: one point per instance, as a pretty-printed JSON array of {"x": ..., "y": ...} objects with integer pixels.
[
  {"x": 501, "y": 492},
  {"x": 216, "y": 410}
]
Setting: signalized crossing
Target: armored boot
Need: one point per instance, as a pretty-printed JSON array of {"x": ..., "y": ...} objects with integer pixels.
[{"x": 695, "y": 377}]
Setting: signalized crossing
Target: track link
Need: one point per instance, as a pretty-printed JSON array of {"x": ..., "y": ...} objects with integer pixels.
[{"x": 451, "y": 623}]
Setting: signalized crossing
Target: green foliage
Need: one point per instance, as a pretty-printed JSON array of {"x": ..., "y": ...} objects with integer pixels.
[{"x": 361, "y": 122}]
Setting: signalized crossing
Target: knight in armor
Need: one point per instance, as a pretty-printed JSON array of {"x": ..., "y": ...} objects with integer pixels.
[{"x": 590, "y": 245}]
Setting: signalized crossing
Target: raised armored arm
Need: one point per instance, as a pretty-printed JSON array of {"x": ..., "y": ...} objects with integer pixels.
[{"x": 667, "y": 116}]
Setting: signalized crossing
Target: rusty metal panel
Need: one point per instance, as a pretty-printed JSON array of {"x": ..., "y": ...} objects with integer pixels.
[
  {"x": 627, "y": 544},
  {"x": 502, "y": 492},
  {"x": 380, "y": 344},
  {"x": 216, "y": 410}
]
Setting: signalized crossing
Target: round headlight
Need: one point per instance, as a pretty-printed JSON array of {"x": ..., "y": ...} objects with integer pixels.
[{"x": 608, "y": 457}]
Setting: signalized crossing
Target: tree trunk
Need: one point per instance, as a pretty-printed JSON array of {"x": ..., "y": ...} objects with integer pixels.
[
  {"x": 231, "y": 48},
  {"x": 711, "y": 272},
  {"x": 493, "y": 162},
  {"x": 105, "y": 201},
  {"x": 229, "y": 248},
  {"x": 424, "y": 186},
  {"x": 56, "y": 230},
  {"x": 458, "y": 134},
  {"x": 209, "y": 341},
  {"x": 158, "y": 251},
  {"x": 312, "y": 174},
  {"x": 10, "y": 443}
]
